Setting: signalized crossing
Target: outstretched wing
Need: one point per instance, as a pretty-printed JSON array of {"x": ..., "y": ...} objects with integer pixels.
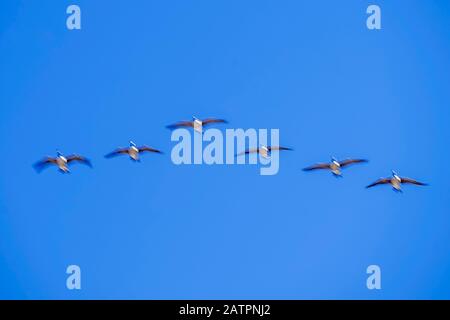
[
  {"x": 272, "y": 148},
  {"x": 148, "y": 149},
  {"x": 211, "y": 120},
  {"x": 80, "y": 159},
  {"x": 117, "y": 152},
  {"x": 347, "y": 162},
  {"x": 379, "y": 181},
  {"x": 254, "y": 150},
  {"x": 44, "y": 163},
  {"x": 317, "y": 167},
  {"x": 412, "y": 181},
  {"x": 180, "y": 124}
]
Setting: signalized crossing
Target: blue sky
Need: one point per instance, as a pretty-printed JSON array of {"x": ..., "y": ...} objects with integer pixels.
[{"x": 153, "y": 230}]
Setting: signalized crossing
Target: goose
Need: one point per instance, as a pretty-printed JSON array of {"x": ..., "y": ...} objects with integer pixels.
[
  {"x": 195, "y": 123},
  {"x": 396, "y": 181},
  {"x": 335, "y": 166},
  {"x": 263, "y": 150},
  {"x": 61, "y": 161},
  {"x": 132, "y": 151}
]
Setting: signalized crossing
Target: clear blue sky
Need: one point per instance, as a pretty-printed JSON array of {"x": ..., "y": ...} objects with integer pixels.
[{"x": 158, "y": 231}]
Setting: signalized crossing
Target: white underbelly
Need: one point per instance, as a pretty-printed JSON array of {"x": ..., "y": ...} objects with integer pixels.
[
  {"x": 396, "y": 184},
  {"x": 134, "y": 154},
  {"x": 198, "y": 126}
]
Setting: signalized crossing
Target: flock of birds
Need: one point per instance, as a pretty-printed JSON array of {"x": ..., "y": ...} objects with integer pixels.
[{"x": 133, "y": 151}]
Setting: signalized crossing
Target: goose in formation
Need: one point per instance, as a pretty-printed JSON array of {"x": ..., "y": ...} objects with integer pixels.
[
  {"x": 61, "y": 161},
  {"x": 264, "y": 151},
  {"x": 195, "y": 123},
  {"x": 396, "y": 181},
  {"x": 335, "y": 166},
  {"x": 132, "y": 151}
]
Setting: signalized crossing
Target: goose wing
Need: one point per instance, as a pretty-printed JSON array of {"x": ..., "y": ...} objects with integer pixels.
[
  {"x": 347, "y": 162},
  {"x": 44, "y": 163},
  {"x": 271, "y": 148},
  {"x": 412, "y": 181},
  {"x": 117, "y": 152},
  {"x": 148, "y": 149},
  {"x": 180, "y": 124},
  {"x": 379, "y": 181},
  {"x": 211, "y": 120},
  {"x": 317, "y": 166},
  {"x": 78, "y": 158},
  {"x": 253, "y": 150}
]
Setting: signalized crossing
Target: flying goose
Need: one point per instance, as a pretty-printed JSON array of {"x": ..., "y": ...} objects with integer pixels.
[
  {"x": 61, "y": 161},
  {"x": 335, "y": 166},
  {"x": 132, "y": 151},
  {"x": 195, "y": 123},
  {"x": 264, "y": 151},
  {"x": 396, "y": 181}
]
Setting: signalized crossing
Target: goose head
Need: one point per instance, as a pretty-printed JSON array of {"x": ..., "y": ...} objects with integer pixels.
[
  {"x": 196, "y": 120},
  {"x": 133, "y": 147},
  {"x": 60, "y": 156},
  {"x": 395, "y": 175},
  {"x": 334, "y": 160}
]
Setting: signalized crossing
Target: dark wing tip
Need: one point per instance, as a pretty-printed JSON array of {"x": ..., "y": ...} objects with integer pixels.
[
  {"x": 110, "y": 155},
  {"x": 179, "y": 124},
  {"x": 88, "y": 162},
  {"x": 412, "y": 181},
  {"x": 38, "y": 166},
  {"x": 149, "y": 149},
  {"x": 42, "y": 164},
  {"x": 317, "y": 167},
  {"x": 279, "y": 148},
  {"x": 157, "y": 151},
  {"x": 242, "y": 153},
  {"x": 379, "y": 181},
  {"x": 347, "y": 162}
]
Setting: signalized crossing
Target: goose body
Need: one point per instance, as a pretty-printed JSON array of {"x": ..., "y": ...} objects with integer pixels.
[
  {"x": 335, "y": 166},
  {"x": 264, "y": 151},
  {"x": 396, "y": 182},
  {"x": 198, "y": 125},
  {"x": 132, "y": 151},
  {"x": 61, "y": 161},
  {"x": 195, "y": 123}
]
